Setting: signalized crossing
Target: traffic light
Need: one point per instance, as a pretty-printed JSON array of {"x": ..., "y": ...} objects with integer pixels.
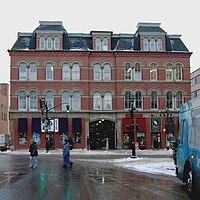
[
  {"x": 42, "y": 105},
  {"x": 67, "y": 108}
]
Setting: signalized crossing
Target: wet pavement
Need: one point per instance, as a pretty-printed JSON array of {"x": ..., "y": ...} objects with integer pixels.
[{"x": 86, "y": 180}]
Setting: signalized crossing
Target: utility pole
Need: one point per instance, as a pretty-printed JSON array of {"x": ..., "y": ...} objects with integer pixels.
[{"x": 132, "y": 98}]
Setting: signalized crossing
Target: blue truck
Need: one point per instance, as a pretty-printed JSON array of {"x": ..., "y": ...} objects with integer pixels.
[{"x": 187, "y": 158}]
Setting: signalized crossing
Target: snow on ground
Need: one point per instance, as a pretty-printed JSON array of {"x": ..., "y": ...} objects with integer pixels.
[{"x": 162, "y": 165}]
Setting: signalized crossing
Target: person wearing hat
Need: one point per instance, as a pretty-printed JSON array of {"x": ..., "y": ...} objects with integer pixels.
[{"x": 66, "y": 155}]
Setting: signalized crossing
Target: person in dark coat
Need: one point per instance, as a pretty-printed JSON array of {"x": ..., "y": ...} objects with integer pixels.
[
  {"x": 33, "y": 154},
  {"x": 66, "y": 155}
]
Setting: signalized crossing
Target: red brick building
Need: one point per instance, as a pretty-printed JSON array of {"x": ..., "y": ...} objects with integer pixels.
[
  {"x": 4, "y": 109},
  {"x": 96, "y": 74}
]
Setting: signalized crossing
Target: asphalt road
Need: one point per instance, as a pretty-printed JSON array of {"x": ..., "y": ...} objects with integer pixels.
[{"x": 86, "y": 180}]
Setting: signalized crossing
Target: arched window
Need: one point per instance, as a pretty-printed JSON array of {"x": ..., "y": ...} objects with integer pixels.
[
  {"x": 169, "y": 100},
  {"x": 42, "y": 43},
  {"x": 105, "y": 44},
  {"x": 107, "y": 101},
  {"x": 127, "y": 100},
  {"x": 138, "y": 100},
  {"x": 49, "y": 43},
  {"x": 97, "y": 72},
  {"x": 49, "y": 71},
  {"x": 169, "y": 72},
  {"x": 159, "y": 44},
  {"x": 76, "y": 101},
  {"x": 154, "y": 100},
  {"x": 179, "y": 99},
  {"x": 33, "y": 72},
  {"x": 65, "y": 72},
  {"x": 98, "y": 44},
  {"x": 56, "y": 43},
  {"x": 145, "y": 44},
  {"x": 107, "y": 72},
  {"x": 50, "y": 100},
  {"x": 153, "y": 71},
  {"x": 33, "y": 101},
  {"x": 76, "y": 72},
  {"x": 65, "y": 100},
  {"x": 128, "y": 71},
  {"x": 178, "y": 69},
  {"x": 22, "y": 71},
  {"x": 97, "y": 101},
  {"x": 22, "y": 100},
  {"x": 152, "y": 44},
  {"x": 138, "y": 72}
]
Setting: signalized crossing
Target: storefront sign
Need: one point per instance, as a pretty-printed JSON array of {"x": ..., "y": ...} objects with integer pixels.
[
  {"x": 155, "y": 124},
  {"x": 105, "y": 117}
]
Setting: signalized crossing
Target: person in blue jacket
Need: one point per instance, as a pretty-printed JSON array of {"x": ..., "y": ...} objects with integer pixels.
[
  {"x": 33, "y": 154},
  {"x": 66, "y": 155}
]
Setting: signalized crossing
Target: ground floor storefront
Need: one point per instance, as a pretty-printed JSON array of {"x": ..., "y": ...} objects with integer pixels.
[{"x": 94, "y": 131}]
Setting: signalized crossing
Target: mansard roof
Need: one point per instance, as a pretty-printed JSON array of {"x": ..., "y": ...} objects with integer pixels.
[{"x": 83, "y": 42}]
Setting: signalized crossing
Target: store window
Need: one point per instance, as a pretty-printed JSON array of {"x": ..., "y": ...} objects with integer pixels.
[
  {"x": 22, "y": 131},
  {"x": 77, "y": 130}
]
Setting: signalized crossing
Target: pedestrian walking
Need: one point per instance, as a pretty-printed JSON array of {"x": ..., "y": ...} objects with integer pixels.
[
  {"x": 66, "y": 155},
  {"x": 33, "y": 154}
]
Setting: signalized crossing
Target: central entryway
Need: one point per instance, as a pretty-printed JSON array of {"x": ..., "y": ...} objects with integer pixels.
[{"x": 102, "y": 135}]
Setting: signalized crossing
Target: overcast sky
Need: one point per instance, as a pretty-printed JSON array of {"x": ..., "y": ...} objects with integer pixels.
[{"x": 82, "y": 16}]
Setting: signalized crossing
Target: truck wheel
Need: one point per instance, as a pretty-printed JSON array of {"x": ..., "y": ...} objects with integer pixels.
[{"x": 189, "y": 181}]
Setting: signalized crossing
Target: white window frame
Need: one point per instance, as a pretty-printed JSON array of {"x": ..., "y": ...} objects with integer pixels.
[
  {"x": 105, "y": 44},
  {"x": 107, "y": 101},
  {"x": 154, "y": 100},
  {"x": 98, "y": 44},
  {"x": 179, "y": 99},
  {"x": 178, "y": 72},
  {"x": 65, "y": 100},
  {"x": 97, "y": 101},
  {"x": 127, "y": 100},
  {"x": 22, "y": 71},
  {"x": 97, "y": 72},
  {"x": 159, "y": 44},
  {"x": 145, "y": 44},
  {"x": 153, "y": 72},
  {"x": 138, "y": 100},
  {"x": 169, "y": 100},
  {"x": 138, "y": 72},
  {"x": 56, "y": 43},
  {"x": 50, "y": 99},
  {"x": 33, "y": 100},
  {"x": 49, "y": 43},
  {"x": 169, "y": 72},
  {"x": 33, "y": 72},
  {"x": 76, "y": 101},
  {"x": 22, "y": 104},
  {"x": 49, "y": 71},
  {"x": 65, "y": 71},
  {"x": 106, "y": 72},
  {"x": 42, "y": 43},
  {"x": 152, "y": 44},
  {"x": 75, "y": 72},
  {"x": 128, "y": 68}
]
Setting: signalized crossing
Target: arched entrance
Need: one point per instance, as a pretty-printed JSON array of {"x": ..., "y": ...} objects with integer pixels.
[{"x": 102, "y": 135}]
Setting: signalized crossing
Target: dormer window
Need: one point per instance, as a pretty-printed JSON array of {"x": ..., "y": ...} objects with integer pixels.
[
  {"x": 56, "y": 43},
  {"x": 152, "y": 44},
  {"x": 105, "y": 44},
  {"x": 145, "y": 44},
  {"x": 98, "y": 44},
  {"x": 49, "y": 43},
  {"x": 42, "y": 43},
  {"x": 159, "y": 44}
]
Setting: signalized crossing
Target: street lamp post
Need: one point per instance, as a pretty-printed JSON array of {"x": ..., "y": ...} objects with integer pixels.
[{"x": 132, "y": 98}]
